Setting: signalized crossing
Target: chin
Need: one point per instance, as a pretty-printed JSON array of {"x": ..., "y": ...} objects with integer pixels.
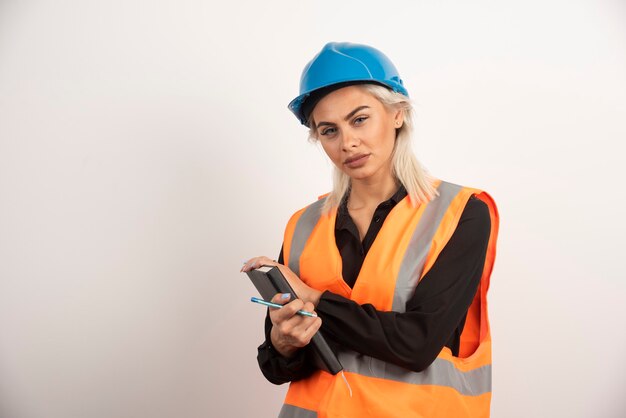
[{"x": 358, "y": 174}]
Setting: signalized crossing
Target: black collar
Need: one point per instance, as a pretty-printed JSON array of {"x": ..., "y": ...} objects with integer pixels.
[{"x": 343, "y": 216}]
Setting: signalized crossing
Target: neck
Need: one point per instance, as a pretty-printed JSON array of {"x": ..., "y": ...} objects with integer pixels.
[{"x": 370, "y": 192}]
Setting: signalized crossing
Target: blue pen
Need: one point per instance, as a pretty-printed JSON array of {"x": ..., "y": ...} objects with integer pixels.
[{"x": 276, "y": 305}]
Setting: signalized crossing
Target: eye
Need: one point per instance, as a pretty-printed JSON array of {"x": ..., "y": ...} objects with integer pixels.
[
  {"x": 360, "y": 119},
  {"x": 327, "y": 131}
]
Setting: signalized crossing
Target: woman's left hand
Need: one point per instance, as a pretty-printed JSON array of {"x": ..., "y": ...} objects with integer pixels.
[{"x": 304, "y": 292}]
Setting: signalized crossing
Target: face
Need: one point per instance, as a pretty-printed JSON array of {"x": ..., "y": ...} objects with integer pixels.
[{"x": 357, "y": 132}]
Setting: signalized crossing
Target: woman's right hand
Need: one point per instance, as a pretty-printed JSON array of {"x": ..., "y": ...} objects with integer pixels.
[{"x": 291, "y": 331}]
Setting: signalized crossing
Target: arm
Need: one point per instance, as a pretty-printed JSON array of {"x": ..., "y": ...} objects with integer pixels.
[{"x": 413, "y": 339}]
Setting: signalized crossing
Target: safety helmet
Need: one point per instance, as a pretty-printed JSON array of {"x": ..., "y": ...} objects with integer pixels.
[{"x": 340, "y": 64}]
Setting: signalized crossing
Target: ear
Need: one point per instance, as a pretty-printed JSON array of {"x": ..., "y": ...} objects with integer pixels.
[{"x": 398, "y": 118}]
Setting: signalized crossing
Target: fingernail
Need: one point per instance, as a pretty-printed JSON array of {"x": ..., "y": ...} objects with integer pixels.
[{"x": 285, "y": 296}]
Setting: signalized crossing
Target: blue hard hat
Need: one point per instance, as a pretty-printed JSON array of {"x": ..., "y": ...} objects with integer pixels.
[{"x": 339, "y": 64}]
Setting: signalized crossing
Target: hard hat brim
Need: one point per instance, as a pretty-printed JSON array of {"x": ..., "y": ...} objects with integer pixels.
[{"x": 303, "y": 105}]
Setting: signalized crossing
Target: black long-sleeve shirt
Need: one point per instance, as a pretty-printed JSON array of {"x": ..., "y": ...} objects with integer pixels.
[{"x": 434, "y": 317}]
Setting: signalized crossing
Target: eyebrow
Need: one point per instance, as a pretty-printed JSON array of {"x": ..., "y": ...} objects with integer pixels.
[{"x": 348, "y": 116}]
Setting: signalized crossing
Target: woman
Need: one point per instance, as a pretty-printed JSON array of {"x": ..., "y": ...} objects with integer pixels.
[{"x": 396, "y": 264}]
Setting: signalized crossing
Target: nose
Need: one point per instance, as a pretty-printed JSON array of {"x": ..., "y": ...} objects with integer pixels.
[{"x": 349, "y": 138}]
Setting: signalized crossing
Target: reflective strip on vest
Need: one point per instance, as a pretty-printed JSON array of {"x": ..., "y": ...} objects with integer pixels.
[
  {"x": 440, "y": 373},
  {"x": 291, "y": 411},
  {"x": 304, "y": 227},
  {"x": 419, "y": 246}
]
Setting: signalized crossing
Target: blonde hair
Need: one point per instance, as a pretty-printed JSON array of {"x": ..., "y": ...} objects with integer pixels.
[{"x": 406, "y": 168}]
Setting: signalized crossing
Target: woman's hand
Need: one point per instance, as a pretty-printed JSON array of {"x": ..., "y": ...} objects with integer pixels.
[
  {"x": 304, "y": 292},
  {"x": 291, "y": 331}
]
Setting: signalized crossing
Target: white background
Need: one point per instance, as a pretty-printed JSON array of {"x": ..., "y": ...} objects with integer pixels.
[{"x": 146, "y": 151}]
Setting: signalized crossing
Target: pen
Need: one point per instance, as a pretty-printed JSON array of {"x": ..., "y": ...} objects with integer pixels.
[{"x": 276, "y": 305}]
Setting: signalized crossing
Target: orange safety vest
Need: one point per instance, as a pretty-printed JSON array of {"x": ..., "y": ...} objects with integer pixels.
[{"x": 405, "y": 249}]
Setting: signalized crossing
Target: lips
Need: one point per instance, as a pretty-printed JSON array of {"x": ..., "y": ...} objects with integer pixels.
[{"x": 357, "y": 160}]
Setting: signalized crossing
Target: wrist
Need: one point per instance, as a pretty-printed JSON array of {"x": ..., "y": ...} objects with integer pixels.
[{"x": 314, "y": 297}]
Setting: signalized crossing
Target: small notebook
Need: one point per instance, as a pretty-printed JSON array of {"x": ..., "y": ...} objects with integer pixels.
[{"x": 269, "y": 280}]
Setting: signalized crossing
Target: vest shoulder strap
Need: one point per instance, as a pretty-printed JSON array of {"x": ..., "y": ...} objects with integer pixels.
[{"x": 298, "y": 230}]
